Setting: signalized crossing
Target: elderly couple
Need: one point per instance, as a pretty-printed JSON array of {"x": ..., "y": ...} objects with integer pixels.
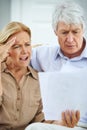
[{"x": 20, "y": 99}]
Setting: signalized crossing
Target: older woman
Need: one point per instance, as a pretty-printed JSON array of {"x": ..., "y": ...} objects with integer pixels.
[{"x": 20, "y": 98}]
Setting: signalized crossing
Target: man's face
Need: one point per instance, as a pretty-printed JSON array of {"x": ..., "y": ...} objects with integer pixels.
[{"x": 70, "y": 38}]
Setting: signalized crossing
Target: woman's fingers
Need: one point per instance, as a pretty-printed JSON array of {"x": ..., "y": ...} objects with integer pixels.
[
  {"x": 4, "y": 49},
  {"x": 10, "y": 43}
]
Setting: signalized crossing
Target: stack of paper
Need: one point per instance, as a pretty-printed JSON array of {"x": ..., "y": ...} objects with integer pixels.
[{"x": 61, "y": 91}]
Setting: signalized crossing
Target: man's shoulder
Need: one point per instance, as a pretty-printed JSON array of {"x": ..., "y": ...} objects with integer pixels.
[{"x": 46, "y": 49}]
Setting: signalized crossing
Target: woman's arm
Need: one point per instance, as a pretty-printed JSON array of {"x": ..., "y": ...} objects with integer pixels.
[{"x": 4, "y": 48}]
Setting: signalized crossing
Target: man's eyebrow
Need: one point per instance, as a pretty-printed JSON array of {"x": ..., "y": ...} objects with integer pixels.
[{"x": 27, "y": 41}]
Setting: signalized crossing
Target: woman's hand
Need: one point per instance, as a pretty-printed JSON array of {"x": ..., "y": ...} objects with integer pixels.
[
  {"x": 69, "y": 118},
  {"x": 5, "y": 48},
  {"x": 3, "y": 54}
]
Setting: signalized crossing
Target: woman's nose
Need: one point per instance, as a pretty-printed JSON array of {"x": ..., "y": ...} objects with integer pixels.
[{"x": 24, "y": 49}]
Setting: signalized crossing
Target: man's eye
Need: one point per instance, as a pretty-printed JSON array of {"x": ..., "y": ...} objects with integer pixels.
[
  {"x": 64, "y": 32},
  {"x": 27, "y": 44},
  {"x": 75, "y": 32}
]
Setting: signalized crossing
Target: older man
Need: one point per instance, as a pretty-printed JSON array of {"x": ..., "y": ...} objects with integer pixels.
[{"x": 71, "y": 52}]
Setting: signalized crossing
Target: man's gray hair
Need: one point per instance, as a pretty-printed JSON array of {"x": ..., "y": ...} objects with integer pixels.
[{"x": 68, "y": 12}]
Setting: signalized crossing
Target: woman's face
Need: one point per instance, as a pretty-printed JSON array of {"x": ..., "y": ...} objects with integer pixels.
[{"x": 20, "y": 52}]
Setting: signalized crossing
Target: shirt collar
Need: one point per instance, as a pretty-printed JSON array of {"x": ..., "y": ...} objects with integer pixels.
[
  {"x": 31, "y": 71},
  {"x": 84, "y": 53}
]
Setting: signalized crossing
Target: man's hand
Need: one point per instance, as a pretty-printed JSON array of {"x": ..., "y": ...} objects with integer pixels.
[{"x": 69, "y": 118}]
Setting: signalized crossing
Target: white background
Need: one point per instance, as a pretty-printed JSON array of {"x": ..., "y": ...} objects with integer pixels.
[{"x": 37, "y": 14}]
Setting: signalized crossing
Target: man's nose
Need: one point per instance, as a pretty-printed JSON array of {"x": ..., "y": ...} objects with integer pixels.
[{"x": 70, "y": 37}]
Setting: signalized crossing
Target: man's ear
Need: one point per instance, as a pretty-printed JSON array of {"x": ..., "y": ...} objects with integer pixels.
[{"x": 55, "y": 33}]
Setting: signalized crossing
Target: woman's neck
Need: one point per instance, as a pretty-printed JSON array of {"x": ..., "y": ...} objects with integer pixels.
[{"x": 18, "y": 72}]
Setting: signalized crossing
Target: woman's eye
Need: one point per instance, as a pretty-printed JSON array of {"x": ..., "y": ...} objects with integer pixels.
[{"x": 14, "y": 47}]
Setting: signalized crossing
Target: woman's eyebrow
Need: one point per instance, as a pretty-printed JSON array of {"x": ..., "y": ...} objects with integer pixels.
[{"x": 15, "y": 45}]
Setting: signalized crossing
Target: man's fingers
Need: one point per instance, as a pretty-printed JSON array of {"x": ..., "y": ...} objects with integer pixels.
[
  {"x": 63, "y": 119},
  {"x": 74, "y": 119},
  {"x": 75, "y": 116},
  {"x": 70, "y": 118},
  {"x": 66, "y": 118},
  {"x": 78, "y": 115}
]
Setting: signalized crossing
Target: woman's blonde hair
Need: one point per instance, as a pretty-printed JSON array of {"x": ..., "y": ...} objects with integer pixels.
[{"x": 11, "y": 29}]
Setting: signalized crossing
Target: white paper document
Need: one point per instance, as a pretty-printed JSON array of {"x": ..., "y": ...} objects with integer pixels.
[{"x": 61, "y": 91}]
